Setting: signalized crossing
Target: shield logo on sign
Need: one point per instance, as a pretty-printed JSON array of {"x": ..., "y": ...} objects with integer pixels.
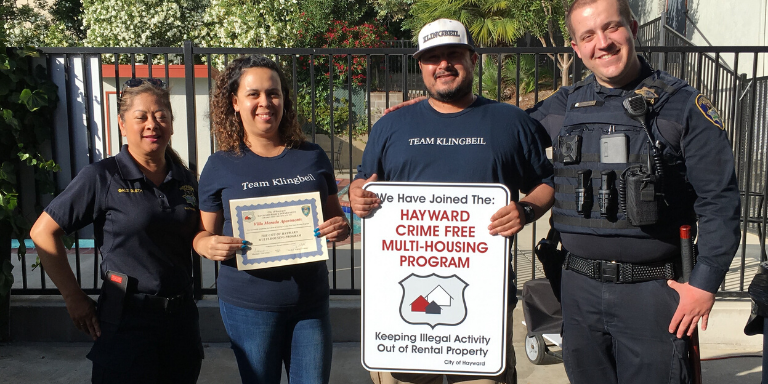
[
  {"x": 305, "y": 210},
  {"x": 433, "y": 300}
]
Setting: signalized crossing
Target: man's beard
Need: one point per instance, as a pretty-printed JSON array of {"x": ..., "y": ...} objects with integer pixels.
[{"x": 449, "y": 95}]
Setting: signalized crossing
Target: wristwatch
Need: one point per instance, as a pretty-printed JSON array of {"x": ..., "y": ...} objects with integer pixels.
[{"x": 530, "y": 215}]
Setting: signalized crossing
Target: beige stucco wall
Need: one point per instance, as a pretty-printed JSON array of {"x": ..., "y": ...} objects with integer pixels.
[{"x": 741, "y": 22}]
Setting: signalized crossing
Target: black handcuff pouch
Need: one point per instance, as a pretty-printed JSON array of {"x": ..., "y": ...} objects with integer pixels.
[{"x": 112, "y": 299}]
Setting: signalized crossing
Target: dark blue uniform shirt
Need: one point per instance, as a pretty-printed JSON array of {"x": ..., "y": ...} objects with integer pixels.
[
  {"x": 702, "y": 148},
  {"x": 142, "y": 230}
]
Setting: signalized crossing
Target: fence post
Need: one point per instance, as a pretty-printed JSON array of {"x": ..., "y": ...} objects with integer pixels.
[
  {"x": 189, "y": 93},
  {"x": 5, "y": 299},
  {"x": 662, "y": 38}
]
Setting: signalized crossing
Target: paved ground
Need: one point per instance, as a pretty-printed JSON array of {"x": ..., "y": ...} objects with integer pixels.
[{"x": 65, "y": 363}]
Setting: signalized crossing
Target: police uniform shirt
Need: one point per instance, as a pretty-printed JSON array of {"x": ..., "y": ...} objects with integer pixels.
[
  {"x": 228, "y": 176},
  {"x": 488, "y": 142},
  {"x": 700, "y": 145},
  {"x": 142, "y": 230}
]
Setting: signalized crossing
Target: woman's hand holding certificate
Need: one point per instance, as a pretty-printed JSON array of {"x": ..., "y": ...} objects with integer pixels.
[
  {"x": 281, "y": 230},
  {"x": 220, "y": 248},
  {"x": 335, "y": 229}
]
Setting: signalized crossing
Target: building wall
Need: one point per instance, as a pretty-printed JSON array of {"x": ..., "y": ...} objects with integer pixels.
[
  {"x": 719, "y": 23},
  {"x": 741, "y": 22},
  {"x": 646, "y": 10}
]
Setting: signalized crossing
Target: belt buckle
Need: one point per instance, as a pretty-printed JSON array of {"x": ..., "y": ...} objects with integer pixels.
[
  {"x": 173, "y": 303},
  {"x": 609, "y": 272}
]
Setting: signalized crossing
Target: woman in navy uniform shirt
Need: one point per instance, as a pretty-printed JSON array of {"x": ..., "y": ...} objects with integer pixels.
[
  {"x": 280, "y": 314},
  {"x": 143, "y": 207}
]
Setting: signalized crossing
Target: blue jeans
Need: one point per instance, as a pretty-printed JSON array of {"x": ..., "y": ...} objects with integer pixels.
[{"x": 262, "y": 340}]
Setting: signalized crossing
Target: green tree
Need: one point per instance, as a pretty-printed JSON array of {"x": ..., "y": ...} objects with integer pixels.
[
  {"x": 346, "y": 73},
  {"x": 392, "y": 14},
  {"x": 141, "y": 23},
  {"x": 318, "y": 16},
  {"x": 27, "y": 99},
  {"x": 249, "y": 23},
  {"x": 69, "y": 14},
  {"x": 492, "y": 23},
  {"x": 498, "y": 23},
  {"x": 392, "y": 9},
  {"x": 551, "y": 31},
  {"x": 41, "y": 23}
]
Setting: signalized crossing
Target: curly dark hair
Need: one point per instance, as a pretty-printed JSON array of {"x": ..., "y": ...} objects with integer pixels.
[{"x": 227, "y": 125}]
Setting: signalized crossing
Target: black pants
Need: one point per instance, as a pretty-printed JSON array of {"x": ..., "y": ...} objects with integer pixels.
[
  {"x": 149, "y": 348},
  {"x": 619, "y": 333}
]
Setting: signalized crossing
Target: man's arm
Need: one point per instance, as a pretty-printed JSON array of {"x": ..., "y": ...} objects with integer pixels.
[
  {"x": 403, "y": 104},
  {"x": 510, "y": 219},
  {"x": 710, "y": 170},
  {"x": 550, "y": 113}
]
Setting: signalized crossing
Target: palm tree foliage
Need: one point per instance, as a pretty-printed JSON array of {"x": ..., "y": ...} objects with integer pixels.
[
  {"x": 491, "y": 23},
  {"x": 509, "y": 82},
  {"x": 500, "y": 23}
]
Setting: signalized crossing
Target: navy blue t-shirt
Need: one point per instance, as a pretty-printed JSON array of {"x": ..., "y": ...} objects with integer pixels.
[
  {"x": 488, "y": 142},
  {"x": 142, "y": 230},
  {"x": 228, "y": 176}
]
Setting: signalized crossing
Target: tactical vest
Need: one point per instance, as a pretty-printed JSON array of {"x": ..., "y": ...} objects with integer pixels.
[{"x": 591, "y": 118}]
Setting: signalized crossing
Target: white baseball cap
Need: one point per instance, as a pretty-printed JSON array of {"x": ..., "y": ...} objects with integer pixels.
[{"x": 443, "y": 32}]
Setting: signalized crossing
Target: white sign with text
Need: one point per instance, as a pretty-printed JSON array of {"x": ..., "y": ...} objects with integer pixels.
[{"x": 434, "y": 293}]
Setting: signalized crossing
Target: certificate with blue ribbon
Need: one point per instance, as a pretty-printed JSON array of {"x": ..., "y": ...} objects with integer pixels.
[{"x": 280, "y": 230}]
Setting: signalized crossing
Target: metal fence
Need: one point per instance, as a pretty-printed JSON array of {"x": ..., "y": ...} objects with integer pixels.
[{"x": 340, "y": 94}]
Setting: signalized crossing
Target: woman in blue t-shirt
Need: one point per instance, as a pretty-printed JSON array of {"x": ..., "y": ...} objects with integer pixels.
[{"x": 280, "y": 314}]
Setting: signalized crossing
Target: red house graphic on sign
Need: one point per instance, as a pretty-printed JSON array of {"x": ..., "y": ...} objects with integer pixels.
[{"x": 419, "y": 305}]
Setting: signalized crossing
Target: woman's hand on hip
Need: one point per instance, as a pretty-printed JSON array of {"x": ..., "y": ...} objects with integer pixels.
[{"x": 82, "y": 311}]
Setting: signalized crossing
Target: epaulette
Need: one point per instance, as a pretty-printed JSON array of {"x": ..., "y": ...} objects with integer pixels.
[
  {"x": 588, "y": 80},
  {"x": 660, "y": 84}
]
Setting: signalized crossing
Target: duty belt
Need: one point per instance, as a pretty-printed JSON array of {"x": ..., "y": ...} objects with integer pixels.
[
  {"x": 613, "y": 272},
  {"x": 154, "y": 303}
]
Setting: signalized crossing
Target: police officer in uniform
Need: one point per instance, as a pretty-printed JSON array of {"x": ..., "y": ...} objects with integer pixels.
[
  {"x": 143, "y": 205},
  {"x": 637, "y": 154}
]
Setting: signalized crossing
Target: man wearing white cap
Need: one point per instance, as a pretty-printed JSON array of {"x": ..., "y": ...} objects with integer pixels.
[{"x": 411, "y": 144}]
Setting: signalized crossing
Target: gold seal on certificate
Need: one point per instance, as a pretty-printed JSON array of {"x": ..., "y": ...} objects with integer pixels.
[{"x": 280, "y": 230}]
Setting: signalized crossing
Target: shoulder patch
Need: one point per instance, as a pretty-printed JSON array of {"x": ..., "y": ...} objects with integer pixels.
[{"x": 709, "y": 111}]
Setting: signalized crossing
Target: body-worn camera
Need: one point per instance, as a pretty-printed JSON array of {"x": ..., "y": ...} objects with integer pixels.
[{"x": 570, "y": 149}]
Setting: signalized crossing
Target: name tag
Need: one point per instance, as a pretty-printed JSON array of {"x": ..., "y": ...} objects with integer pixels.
[{"x": 591, "y": 103}]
